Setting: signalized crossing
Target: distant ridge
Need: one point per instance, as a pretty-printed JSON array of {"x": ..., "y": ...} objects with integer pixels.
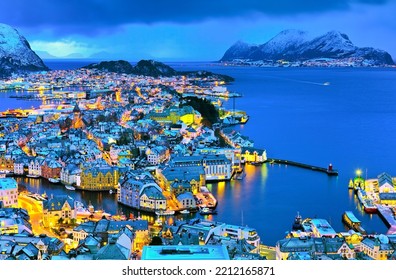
[
  {"x": 295, "y": 45},
  {"x": 151, "y": 68}
]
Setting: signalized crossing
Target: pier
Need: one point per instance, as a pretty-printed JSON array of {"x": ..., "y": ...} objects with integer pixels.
[
  {"x": 329, "y": 171},
  {"x": 388, "y": 217}
]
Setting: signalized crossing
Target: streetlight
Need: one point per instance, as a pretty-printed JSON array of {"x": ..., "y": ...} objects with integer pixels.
[{"x": 358, "y": 172}]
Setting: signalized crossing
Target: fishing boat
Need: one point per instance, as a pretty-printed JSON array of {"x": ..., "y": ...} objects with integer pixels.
[
  {"x": 206, "y": 211},
  {"x": 164, "y": 213},
  {"x": 297, "y": 225},
  {"x": 54, "y": 180},
  {"x": 185, "y": 211},
  {"x": 70, "y": 188}
]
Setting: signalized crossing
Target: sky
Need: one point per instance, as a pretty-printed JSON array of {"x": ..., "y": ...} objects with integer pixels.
[{"x": 186, "y": 30}]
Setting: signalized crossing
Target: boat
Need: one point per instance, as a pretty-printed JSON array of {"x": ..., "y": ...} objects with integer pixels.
[
  {"x": 32, "y": 176},
  {"x": 70, "y": 188},
  {"x": 206, "y": 211},
  {"x": 185, "y": 211},
  {"x": 368, "y": 204},
  {"x": 352, "y": 222},
  {"x": 297, "y": 225},
  {"x": 110, "y": 191},
  {"x": 240, "y": 176},
  {"x": 54, "y": 180},
  {"x": 326, "y": 83},
  {"x": 164, "y": 213}
]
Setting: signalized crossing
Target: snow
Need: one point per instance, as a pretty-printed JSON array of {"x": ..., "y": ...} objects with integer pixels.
[{"x": 14, "y": 46}]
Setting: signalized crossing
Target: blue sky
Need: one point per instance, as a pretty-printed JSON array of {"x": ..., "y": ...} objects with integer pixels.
[{"x": 182, "y": 30}]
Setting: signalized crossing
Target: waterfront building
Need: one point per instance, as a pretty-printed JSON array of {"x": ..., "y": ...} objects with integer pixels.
[
  {"x": 387, "y": 198},
  {"x": 140, "y": 191},
  {"x": 178, "y": 187},
  {"x": 253, "y": 155},
  {"x": 57, "y": 209},
  {"x": 99, "y": 178},
  {"x": 8, "y": 192},
  {"x": 51, "y": 168},
  {"x": 6, "y": 164},
  {"x": 232, "y": 154},
  {"x": 14, "y": 220},
  {"x": 217, "y": 167},
  {"x": 194, "y": 175},
  {"x": 35, "y": 166},
  {"x": 186, "y": 201},
  {"x": 319, "y": 228},
  {"x": 385, "y": 183},
  {"x": 185, "y": 252},
  {"x": 20, "y": 163},
  {"x": 70, "y": 174}
]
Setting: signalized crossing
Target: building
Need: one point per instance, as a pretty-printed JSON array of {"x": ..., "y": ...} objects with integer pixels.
[
  {"x": 140, "y": 191},
  {"x": 217, "y": 167},
  {"x": 15, "y": 221},
  {"x": 70, "y": 175},
  {"x": 8, "y": 192},
  {"x": 157, "y": 155},
  {"x": 6, "y": 164},
  {"x": 194, "y": 175},
  {"x": 56, "y": 209},
  {"x": 35, "y": 167},
  {"x": 378, "y": 248},
  {"x": 186, "y": 200},
  {"x": 103, "y": 178},
  {"x": 51, "y": 169}
]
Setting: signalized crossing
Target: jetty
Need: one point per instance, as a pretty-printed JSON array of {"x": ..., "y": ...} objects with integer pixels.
[
  {"x": 329, "y": 171},
  {"x": 388, "y": 216}
]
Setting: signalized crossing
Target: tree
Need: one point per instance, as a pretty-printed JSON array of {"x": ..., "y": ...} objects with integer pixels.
[{"x": 156, "y": 241}]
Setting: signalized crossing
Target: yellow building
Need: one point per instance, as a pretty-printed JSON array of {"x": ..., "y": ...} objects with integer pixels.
[
  {"x": 185, "y": 114},
  {"x": 99, "y": 178},
  {"x": 58, "y": 209}
]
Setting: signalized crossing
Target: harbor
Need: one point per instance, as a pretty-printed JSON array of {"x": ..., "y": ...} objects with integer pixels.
[{"x": 387, "y": 214}]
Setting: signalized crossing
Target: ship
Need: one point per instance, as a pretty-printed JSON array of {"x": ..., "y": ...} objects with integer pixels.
[
  {"x": 54, "y": 180},
  {"x": 70, "y": 188},
  {"x": 297, "y": 225},
  {"x": 164, "y": 213},
  {"x": 368, "y": 205},
  {"x": 206, "y": 211}
]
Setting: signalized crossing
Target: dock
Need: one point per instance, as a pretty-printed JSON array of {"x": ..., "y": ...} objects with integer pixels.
[
  {"x": 352, "y": 222},
  {"x": 329, "y": 171},
  {"x": 388, "y": 217}
]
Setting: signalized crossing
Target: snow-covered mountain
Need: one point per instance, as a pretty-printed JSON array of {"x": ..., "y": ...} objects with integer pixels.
[
  {"x": 295, "y": 45},
  {"x": 15, "y": 53}
]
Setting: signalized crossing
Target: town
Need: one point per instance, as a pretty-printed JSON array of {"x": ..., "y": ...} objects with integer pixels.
[{"x": 154, "y": 142}]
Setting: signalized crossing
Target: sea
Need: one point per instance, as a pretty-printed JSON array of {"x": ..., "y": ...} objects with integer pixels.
[{"x": 320, "y": 116}]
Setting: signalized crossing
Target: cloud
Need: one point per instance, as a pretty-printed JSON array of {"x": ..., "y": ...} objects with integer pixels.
[
  {"x": 102, "y": 16},
  {"x": 63, "y": 47}
]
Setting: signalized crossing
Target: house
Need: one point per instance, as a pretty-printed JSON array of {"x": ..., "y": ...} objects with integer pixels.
[
  {"x": 186, "y": 200},
  {"x": 157, "y": 155},
  {"x": 8, "y": 192},
  {"x": 70, "y": 174},
  {"x": 14, "y": 220},
  {"x": 51, "y": 168},
  {"x": 35, "y": 166},
  {"x": 58, "y": 208},
  {"x": 385, "y": 183}
]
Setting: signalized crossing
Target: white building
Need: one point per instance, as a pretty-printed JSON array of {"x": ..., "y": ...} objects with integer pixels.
[
  {"x": 35, "y": 166},
  {"x": 8, "y": 192}
]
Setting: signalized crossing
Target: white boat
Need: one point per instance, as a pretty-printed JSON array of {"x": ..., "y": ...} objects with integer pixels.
[
  {"x": 206, "y": 211},
  {"x": 70, "y": 188},
  {"x": 53, "y": 180},
  {"x": 185, "y": 211},
  {"x": 110, "y": 191},
  {"x": 32, "y": 176},
  {"x": 165, "y": 213}
]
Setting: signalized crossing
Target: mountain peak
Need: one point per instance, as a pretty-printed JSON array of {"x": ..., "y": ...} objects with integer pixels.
[
  {"x": 296, "y": 45},
  {"x": 16, "y": 54}
]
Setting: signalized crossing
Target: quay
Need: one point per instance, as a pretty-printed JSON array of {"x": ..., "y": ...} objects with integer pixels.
[
  {"x": 387, "y": 215},
  {"x": 329, "y": 171}
]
